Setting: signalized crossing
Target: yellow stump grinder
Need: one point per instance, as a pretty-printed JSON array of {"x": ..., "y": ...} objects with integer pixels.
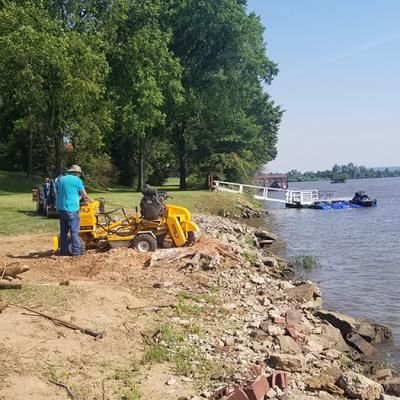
[{"x": 156, "y": 226}]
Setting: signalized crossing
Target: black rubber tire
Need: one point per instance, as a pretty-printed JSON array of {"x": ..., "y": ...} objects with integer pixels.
[
  {"x": 191, "y": 237},
  {"x": 160, "y": 241},
  {"x": 39, "y": 204},
  {"x": 144, "y": 243}
]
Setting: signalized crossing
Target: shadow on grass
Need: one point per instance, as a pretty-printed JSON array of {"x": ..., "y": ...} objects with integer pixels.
[
  {"x": 31, "y": 256},
  {"x": 30, "y": 213}
]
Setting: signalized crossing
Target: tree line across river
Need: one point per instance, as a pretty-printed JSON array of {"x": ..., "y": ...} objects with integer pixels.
[
  {"x": 135, "y": 89},
  {"x": 340, "y": 173}
]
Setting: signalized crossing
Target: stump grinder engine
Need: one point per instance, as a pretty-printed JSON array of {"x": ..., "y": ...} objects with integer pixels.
[{"x": 157, "y": 225}]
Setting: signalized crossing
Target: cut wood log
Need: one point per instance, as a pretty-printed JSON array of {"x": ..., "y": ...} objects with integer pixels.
[
  {"x": 12, "y": 270},
  {"x": 3, "y": 305},
  {"x": 6, "y": 284}
]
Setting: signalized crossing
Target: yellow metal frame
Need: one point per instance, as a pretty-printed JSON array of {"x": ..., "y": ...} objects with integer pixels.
[{"x": 176, "y": 223}]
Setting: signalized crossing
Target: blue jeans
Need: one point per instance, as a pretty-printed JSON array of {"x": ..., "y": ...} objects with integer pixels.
[{"x": 69, "y": 222}]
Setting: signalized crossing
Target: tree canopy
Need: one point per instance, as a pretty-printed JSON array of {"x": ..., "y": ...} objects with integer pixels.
[{"x": 154, "y": 87}]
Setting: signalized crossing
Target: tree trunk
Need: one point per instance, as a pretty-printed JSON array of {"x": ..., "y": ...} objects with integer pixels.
[
  {"x": 58, "y": 154},
  {"x": 141, "y": 167},
  {"x": 30, "y": 154},
  {"x": 182, "y": 156}
]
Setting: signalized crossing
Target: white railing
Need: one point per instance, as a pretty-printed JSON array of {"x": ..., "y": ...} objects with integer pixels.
[{"x": 301, "y": 197}]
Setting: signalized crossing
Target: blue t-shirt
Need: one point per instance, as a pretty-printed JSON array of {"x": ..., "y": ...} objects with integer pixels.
[{"x": 68, "y": 193}]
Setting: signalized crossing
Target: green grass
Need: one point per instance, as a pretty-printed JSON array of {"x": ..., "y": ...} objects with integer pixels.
[
  {"x": 48, "y": 296},
  {"x": 16, "y": 182},
  {"x": 18, "y": 212},
  {"x": 306, "y": 261}
]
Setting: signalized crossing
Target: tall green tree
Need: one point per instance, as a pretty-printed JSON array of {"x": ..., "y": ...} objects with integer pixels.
[
  {"x": 225, "y": 67},
  {"x": 145, "y": 78},
  {"x": 55, "y": 78}
]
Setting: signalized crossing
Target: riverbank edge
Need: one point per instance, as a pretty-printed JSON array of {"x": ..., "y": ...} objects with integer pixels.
[{"x": 358, "y": 336}]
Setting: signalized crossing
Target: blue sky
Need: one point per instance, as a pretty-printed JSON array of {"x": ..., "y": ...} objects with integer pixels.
[{"x": 339, "y": 81}]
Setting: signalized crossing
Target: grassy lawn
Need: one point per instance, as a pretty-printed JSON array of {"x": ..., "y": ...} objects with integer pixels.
[{"x": 18, "y": 212}]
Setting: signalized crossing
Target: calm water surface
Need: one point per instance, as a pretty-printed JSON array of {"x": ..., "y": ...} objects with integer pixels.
[{"x": 358, "y": 249}]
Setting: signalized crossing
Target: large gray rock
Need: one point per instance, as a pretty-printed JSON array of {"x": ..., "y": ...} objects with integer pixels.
[
  {"x": 392, "y": 387},
  {"x": 265, "y": 235},
  {"x": 357, "y": 386},
  {"x": 288, "y": 362},
  {"x": 373, "y": 332},
  {"x": 340, "y": 321},
  {"x": 332, "y": 339},
  {"x": 360, "y": 344},
  {"x": 303, "y": 293},
  {"x": 369, "y": 330},
  {"x": 288, "y": 345},
  {"x": 383, "y": 375}
]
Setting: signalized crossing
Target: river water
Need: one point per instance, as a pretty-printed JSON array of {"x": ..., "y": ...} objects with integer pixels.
[{"x": 358, "y": 250}]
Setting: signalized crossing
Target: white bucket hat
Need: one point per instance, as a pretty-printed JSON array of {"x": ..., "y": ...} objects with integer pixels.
[{"x": 75, "y": 168}]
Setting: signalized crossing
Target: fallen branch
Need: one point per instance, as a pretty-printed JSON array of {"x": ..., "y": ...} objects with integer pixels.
[
  {"x": 64, "y": 387},
  {"x": 96, "y": 335},
  {"x": 227, "y": 254},
  {"x": 151, "y": 308}
]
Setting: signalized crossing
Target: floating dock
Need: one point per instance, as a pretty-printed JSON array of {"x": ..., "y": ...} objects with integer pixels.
[{"x": 315, "y": 199}]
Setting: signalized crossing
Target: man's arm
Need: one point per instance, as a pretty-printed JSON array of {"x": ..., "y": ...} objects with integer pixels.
[{"x": 83, "y": 194}]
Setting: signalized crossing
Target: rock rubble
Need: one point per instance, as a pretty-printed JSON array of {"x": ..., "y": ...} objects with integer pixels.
[{"x": 268, "y": 323}]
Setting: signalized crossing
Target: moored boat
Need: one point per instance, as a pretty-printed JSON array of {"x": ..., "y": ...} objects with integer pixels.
[{"x": 362, "y": 199}]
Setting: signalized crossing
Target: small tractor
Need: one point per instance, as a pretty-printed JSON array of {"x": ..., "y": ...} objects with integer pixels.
[
  {"x": 157, "y": 225},
  {"x": 45, "y": 197}
]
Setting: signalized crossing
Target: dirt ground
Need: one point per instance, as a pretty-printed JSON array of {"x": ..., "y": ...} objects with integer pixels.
[{"x": 100, "y": 291}]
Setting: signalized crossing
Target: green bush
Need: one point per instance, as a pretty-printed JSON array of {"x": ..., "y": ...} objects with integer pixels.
[{"x": 99, "y": 173}]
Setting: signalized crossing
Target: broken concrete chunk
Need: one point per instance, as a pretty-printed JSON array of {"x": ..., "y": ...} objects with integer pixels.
[
  {"x": 357, "y": 386},
  {"x": 303, "y": 293},
  {"x": 333, "y": 339},
  {"x": 287, "y": 362},
  {"x": 383, "y": 375},
  {"x": 322, "y": 382},
  {"x": 288, "y": 345}
]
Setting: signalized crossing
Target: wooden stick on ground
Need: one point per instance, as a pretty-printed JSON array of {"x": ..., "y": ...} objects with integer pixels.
[
  {"x": 64, "y": 387},
  {"x": 150, "y": 308},
  {"x": 227, "y": 254},
  {"x": 96, "y": 335},
  {"x": 4, "y": 269}
]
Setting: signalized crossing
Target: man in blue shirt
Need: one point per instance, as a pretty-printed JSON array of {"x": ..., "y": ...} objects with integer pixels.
[{"x": 70, "y": 191}]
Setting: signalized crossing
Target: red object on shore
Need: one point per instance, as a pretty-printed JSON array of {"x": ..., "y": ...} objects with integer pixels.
[{"x": 258, "y": 389}]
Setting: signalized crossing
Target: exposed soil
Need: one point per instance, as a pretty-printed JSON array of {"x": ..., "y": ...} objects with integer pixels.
[
  {"x": 103, "y": 290},
  {"x": 177, "y": 322}
]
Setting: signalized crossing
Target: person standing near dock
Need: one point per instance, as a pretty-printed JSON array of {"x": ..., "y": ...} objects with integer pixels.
[{"x": 70, "y": 191}]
